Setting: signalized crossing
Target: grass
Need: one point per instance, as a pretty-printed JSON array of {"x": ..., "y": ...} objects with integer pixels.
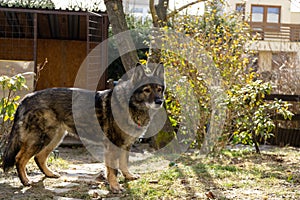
[
  {"x": 52, "y": 162},
  {"x": 232, "y": 174}
]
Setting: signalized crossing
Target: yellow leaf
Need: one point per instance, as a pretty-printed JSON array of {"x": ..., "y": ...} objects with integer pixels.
[
  {"x": 143, "y": 61},
  {"x": 6, "y": 118}
]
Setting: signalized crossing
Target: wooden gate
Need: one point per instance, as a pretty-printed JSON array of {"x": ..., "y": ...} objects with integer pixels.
[{"x": 286, "y": 135}]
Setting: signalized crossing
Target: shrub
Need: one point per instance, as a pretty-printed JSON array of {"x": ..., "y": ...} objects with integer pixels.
[
  {"x": 251, "y": 115},
  {"x": 212, "y": 57},
  {"x": 9, "y": 100}
]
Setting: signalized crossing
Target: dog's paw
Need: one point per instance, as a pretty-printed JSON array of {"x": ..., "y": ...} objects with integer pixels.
[
  {"x": 100, "y": 177},
  {"x": 53, "y": 175},
  {"x": 131, "y": 177},
  {"x": 116, "y": 189},
  {"x": 26, "y": 183}
]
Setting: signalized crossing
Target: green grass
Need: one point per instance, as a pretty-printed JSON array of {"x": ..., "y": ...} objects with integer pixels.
[
  {"x": 231, "y": 174},
  {"x": 223, "y": 173}
]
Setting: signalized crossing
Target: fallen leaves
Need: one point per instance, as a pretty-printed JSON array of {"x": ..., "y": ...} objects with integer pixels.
[{"x": 210, "y": 195}]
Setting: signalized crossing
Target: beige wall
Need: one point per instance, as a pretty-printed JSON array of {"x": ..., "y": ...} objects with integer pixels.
[
  {"x": 265, "y": 61},
  {"x": 295, "y": 18},
  {"x": 266, "y": 48},
  {"x": 276, "y": 46},
  {"x": 285, "y": 76},
  {"x": 285, "y": 7}
]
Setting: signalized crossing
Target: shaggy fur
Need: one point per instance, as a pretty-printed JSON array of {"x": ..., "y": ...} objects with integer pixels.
[{"x": 44, "y": 117}]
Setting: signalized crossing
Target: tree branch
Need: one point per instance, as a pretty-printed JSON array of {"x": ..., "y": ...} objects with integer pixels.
[
  {"x": 121, "y": 33},
  {"x": 153, "y": 13},
  {"x": 161, "y": 10},
  {"x": 183, "y": 7}
]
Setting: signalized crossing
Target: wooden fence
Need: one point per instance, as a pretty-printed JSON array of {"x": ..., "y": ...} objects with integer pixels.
[
  {"x": 285, "y": 136},
  {"x": 267, "y": 31}
]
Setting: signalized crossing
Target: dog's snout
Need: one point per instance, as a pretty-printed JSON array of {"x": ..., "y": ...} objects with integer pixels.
[{"x": 158, "y": 101}]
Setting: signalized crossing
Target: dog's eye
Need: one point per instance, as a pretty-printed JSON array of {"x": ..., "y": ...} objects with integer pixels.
[
  {"x": 147, "y": 90},
  {"x": 159, "y": 89}
]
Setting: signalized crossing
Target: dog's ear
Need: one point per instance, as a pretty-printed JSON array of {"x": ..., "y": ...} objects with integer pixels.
[
  {"x": 139, "y": 73},
  {"x": 159, "y": 71}
]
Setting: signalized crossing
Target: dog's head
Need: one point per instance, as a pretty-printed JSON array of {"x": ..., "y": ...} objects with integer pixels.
[{"x": 149, "y": 87}]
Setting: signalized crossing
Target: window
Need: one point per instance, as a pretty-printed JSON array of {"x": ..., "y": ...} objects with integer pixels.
[
  {"x": 240, "y": 8},
  {"x": 137, "y": 10},
  {"x": 257, "y": 14},
  {"x": 273, "y": 15},
  {"x": 267, "y": 14}
]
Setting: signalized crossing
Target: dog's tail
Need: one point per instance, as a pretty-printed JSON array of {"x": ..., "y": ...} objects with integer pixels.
[{"x": 11, "y": 146}]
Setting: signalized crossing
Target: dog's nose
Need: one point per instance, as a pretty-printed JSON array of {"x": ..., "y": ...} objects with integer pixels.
[{"x": 158, "y": 101}]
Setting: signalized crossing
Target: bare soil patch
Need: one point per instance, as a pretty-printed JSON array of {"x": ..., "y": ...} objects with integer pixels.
[{"x": 232, "y": 174}]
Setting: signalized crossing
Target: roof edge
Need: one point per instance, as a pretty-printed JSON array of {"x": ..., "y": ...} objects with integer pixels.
[{"x": 51, "y": 8}]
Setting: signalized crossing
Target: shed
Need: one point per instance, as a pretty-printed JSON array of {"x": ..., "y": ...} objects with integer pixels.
[{"x": 61, "y": 39}]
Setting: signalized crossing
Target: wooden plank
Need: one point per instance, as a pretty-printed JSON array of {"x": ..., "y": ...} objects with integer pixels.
[
  {"x": 285, "y": 136},
  {"x": 296, "y": 117},
  {"x": 276, "y": 31},
  {"x": 283, "y": 97},
  {"x": 44, "y": 29},
  {"x": 62, "y": 26}
]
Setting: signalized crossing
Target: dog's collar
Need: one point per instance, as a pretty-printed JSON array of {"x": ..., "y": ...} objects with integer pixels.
[{"x": 139, "y": 124}]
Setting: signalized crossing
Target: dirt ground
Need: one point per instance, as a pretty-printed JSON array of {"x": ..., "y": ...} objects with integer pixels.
[
  {"x": 79, "y": 179},
  {"x": 78, "y": 171}
]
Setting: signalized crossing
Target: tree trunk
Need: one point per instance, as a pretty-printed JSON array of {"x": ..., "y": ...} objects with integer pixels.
[
  {"x": 127, "y": 49},
  {"x": 122, "y": 36},
  {"x": 256, "y": 144},
  {"x": 159, "y": 17},
  {"x": 161, "y": 10}
]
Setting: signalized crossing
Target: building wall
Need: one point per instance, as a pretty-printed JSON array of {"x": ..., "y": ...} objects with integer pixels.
[
  {"x": 138, "y": 8},
  {"x": 285, "y": 7},
  {"x": 278, "y": 58},
  {"x": 265, "y": 61},
  {"x": 295, "y": 18},
  {"x": 64, "y": 59},
  {"x": 10, "y": 48}
]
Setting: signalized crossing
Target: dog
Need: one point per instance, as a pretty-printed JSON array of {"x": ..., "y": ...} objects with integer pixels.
[{"x": 44, "y": 117}]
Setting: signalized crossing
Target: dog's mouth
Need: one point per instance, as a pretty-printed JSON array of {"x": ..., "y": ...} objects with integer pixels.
[{"x": 157, "y": 104}]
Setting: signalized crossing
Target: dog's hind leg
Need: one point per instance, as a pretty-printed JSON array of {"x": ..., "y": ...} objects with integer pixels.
[
  {"x": 123, "y": 165},
  {"x": 22, "y": 158},
  {"x": 42, "y": 156},
  {"x": 41, "y": 161}
]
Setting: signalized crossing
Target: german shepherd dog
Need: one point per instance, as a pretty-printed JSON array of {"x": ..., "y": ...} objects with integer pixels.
[{"x": 44, "y": 117}]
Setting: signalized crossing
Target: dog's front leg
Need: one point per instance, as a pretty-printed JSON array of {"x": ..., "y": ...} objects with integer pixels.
[
  {"x": 123, "y": 163},
  {"x": 111, "y": 162},
  {"x": 112, "y": 179}
]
